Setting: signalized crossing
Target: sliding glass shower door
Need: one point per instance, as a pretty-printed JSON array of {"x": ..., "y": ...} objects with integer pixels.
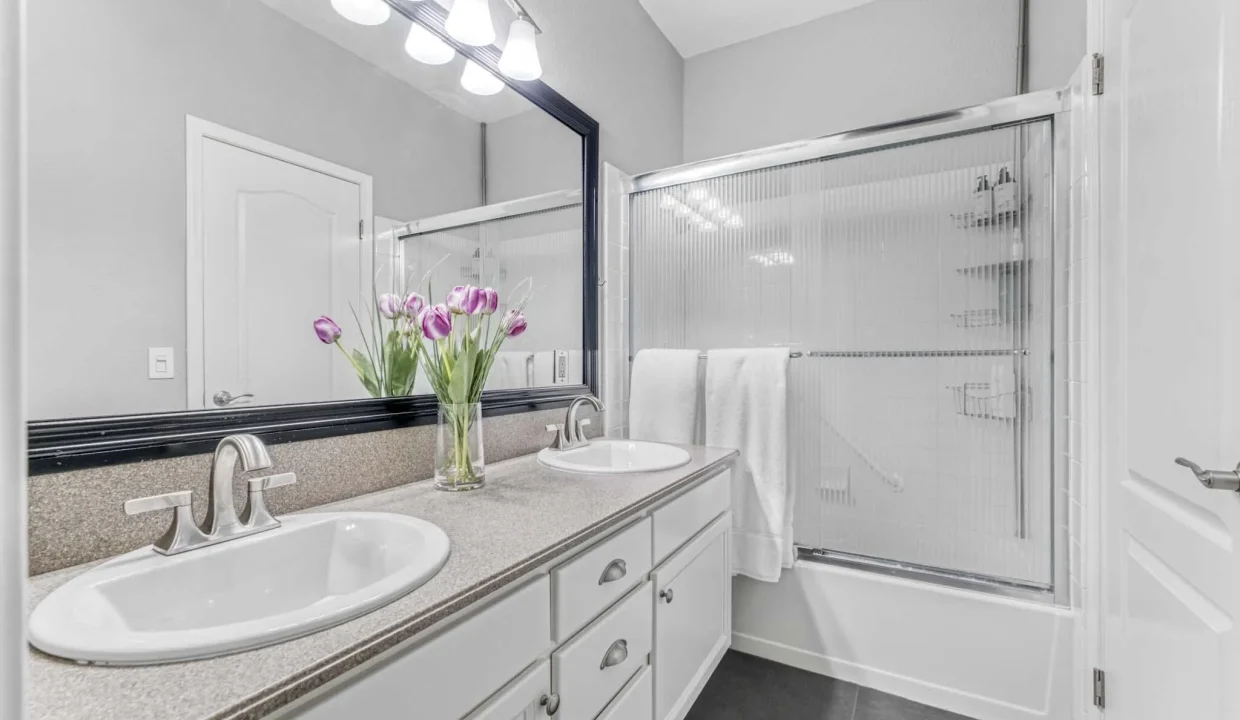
[{"x": 916, "y": 284}]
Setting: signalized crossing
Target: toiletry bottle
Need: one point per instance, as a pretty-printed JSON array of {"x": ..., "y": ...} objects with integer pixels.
[
  {"x": 1005, "y": 193},
  {"x": 983, "y": 203}
]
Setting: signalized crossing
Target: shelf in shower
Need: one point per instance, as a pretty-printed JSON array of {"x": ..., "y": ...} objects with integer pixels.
[
  {"x": 1007, "y": 267},
  {"x": 971, "y": 220},
  {"x": 974, "y": 400}
]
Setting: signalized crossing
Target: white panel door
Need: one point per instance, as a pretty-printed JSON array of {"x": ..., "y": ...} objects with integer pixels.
[
  {"x": 526, "y": 698},
  {"x": 1171, "y": 358},
  {"x": 281, "y": 244}
]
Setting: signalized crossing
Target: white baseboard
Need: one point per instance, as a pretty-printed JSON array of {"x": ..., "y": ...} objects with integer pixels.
[{"x": 970, "y": 705}]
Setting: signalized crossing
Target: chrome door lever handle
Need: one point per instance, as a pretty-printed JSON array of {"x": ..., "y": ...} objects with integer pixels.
[
  {"x": 223, "y": 398},
  {"x": 1213, "y": 479}
]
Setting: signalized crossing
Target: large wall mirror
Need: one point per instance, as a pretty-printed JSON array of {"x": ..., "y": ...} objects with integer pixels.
[{"x": 206, "y": 179}]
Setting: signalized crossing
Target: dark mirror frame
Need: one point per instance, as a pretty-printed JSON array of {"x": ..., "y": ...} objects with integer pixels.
[{"x": 56, "y": 445}]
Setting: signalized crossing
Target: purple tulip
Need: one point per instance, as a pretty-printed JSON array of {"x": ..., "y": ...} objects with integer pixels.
[
  {"x": 414, "y": 304},
  {"x": 436, "y": 322},
  {"x": 514, "y": 323},
  {"x": 327, "y": 330},
  {"x": 390, "y": 306},
  {"x": 490, "y": 301},
  {"x": 465, "y": 300}
]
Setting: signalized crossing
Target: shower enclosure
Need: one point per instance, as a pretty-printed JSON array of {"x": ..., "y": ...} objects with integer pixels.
[{"x": 911, "y": 269}]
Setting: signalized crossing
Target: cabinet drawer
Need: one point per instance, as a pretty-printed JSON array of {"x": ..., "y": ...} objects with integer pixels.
[
  {"x": 453, "y": 672},
  {"x": 591, "y": 669},
  {"x": 589, "y": 583},
  {"x": 682, "y": 518},
  {"x": 636, "y": 701}
]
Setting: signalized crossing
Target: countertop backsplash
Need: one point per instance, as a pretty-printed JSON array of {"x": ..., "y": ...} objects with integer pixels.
[{"x": 76, "y": 516}]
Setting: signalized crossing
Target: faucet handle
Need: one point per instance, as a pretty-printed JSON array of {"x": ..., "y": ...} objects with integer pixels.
[
  {"x": 182, "y": 534},
  {"x": 561, "y": 441},
  {"x": 256, "y": 514}
]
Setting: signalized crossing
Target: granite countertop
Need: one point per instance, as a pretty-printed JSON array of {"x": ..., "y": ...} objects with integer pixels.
[{"x": 526, "y": 516}]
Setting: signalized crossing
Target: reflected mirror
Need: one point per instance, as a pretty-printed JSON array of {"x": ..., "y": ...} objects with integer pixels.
[{"x": 206, "y": 179}]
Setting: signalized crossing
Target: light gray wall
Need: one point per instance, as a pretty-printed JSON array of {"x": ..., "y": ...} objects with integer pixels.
[
  {"x": 110, "y": 84},
  {"x": 1056, "y": 41},
  {"x": 610, "y": 59},
  {"x": 530, "y": 154},
  {"x": 883, "y": 61}
]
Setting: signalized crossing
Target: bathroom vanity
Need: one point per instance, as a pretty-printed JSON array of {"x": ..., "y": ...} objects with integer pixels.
[{"x": 569, "y": 595}]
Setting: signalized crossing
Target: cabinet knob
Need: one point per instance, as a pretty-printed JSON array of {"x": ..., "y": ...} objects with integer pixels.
[
  {"x": 551, "y": 703},
  {"x": 616, "y": 654},
  {"x": 615, "y": 570},
  {"x": 667, "y": 595}
]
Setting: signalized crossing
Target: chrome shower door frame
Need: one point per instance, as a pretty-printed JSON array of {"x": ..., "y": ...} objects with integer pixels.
[{"x": 1049, "y": 105}]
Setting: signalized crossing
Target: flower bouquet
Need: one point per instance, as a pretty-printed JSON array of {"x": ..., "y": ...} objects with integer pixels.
[
  {"x": 387, "y": 362},
  {"x": 461, "y": 348}
]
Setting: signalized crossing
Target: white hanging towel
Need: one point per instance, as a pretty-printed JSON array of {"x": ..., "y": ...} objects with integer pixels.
[
  {"x": 511, "y": 370},
  {"x": 663, "y": 399},
  {"x": 746, "y": 408}
]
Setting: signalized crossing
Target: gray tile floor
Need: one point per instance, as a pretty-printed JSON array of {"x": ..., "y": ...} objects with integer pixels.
[{"x": 750, "y": 688}]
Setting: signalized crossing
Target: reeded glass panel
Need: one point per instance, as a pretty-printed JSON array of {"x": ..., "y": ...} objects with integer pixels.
[{"x": 919, "y": 409}]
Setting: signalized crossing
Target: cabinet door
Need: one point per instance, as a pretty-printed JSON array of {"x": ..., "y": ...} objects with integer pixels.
[
  {"x": 526, "y": 698},
  {"x": 692, "y": 618}
]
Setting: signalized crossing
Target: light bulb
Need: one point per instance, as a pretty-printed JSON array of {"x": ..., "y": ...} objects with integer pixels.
[
  {"x": 520, "y": 58},
  {"x": 470, "y": 22},
  {"x": 363, "y": 12},
  {"x": 479, "y": 81},
  {"x": 423, "y": 46}
]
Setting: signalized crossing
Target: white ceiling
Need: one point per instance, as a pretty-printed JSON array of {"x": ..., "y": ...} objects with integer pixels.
[
  {"x": 384, "y": 47},
  {"x": 698, "y": 26}
]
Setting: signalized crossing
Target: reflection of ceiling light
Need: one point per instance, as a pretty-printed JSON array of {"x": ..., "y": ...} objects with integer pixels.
[
  {"x": 713, "y": 210},
  {"x": 723, "y": 213},
  {"x": 470, "y": 22},
  {"x": 423, "y": 46},
  {"x": 478, "y": 81},
  {"x": 668, "y": 202},
  {"x": 735, "y": 222},
  {"x": 710, "y": 203},
  {"x": 520, "y": 58},
  {"x": 698, "y": 194},
  {"x": 707, "y": 225},
  {"x": 363, "y": 12},
  {"x": 773, "y": 258}
]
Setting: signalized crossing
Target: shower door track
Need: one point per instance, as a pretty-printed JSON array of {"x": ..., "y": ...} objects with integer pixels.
[{"x": 924, "y": 573}]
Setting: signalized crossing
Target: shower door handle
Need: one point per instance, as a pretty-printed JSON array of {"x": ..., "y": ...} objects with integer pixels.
[
  {"x": 223, "y": 398},
  {"x": 1213, "y": 479}
]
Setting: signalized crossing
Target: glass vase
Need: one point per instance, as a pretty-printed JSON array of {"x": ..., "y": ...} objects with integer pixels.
[{"x": 460, "y": 462}]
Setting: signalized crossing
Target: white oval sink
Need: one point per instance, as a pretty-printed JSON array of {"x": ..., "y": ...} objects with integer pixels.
[
  {"x": 615, "y": 457},
  {"x": 312, "y": 572}
]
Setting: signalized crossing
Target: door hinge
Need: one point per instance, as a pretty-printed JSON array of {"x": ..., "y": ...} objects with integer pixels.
[
  {"x": 361, "y": 229},
  {"x": 1099, "y": 70},
  {"x": 1100, "y": 689}
]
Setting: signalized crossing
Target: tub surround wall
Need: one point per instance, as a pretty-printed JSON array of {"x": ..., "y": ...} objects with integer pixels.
[{"x": 76, "y": 516}]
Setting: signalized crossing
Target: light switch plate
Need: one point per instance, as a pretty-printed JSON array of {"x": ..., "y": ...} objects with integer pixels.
[{"x": 159, "y": 363}]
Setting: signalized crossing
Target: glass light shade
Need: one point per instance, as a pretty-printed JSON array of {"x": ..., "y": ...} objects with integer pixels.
[
  {"x": 423, "y": 46},
  {"x": 520, "y": 58},
  {"x": 363, "y": 12},
  {"x": 478, "y": 81},
  {"x": 470, "y": 22}
]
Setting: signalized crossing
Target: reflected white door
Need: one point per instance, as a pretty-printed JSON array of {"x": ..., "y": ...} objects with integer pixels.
[
  {"x": 1171, "y": 357},
  {"x": 275, "y": 243}
]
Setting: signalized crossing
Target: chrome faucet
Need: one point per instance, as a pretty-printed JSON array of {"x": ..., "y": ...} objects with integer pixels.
[
  {"x": 572, "y": 433},
  {"x": 221, "y": 523},
  {"x": 221, "y": 517}
]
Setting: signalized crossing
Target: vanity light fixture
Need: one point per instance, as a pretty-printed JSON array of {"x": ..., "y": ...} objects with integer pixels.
[
  {"x": 363, "y": 12},
  {"x": 470, "y": 22},
  {"x": 520, "y": 58},
  {"x": 478, "y": 81},
  {"x": 423, "y": 46}
]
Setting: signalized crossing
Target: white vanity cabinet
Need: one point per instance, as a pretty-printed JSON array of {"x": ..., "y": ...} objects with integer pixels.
[{"x": 629, "y": 627}]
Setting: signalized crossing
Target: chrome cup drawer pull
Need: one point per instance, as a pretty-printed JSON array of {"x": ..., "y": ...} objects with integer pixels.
[
  {"x": 616, "y": 654},
  {"x": 615, "y": 570}
]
